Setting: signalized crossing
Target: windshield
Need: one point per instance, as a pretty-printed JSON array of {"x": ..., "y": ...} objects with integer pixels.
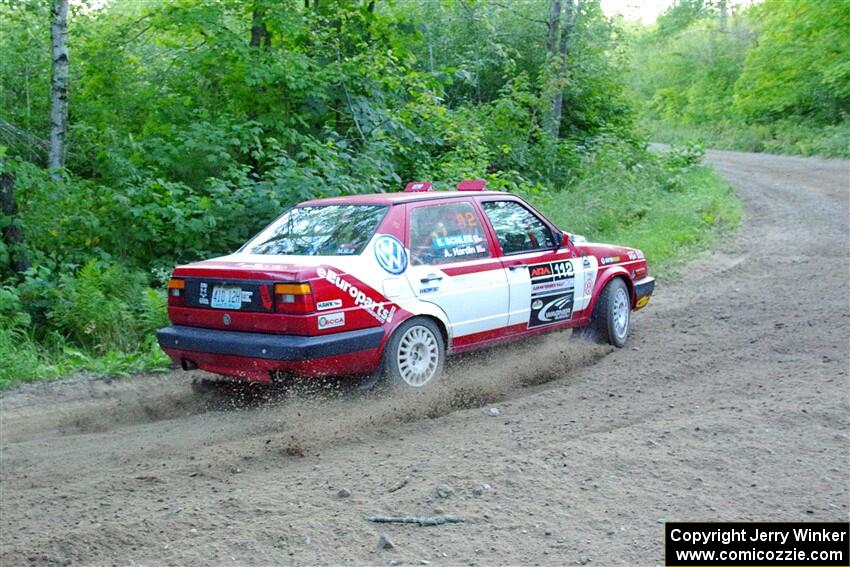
[{"x": 326, "y": 230}]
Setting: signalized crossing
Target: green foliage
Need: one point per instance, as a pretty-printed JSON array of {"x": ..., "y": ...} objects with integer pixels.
[
  {"x": 801, "y": 63},
  {"x": 106, "y": 306},
  {"x": 776, "y": 80}
]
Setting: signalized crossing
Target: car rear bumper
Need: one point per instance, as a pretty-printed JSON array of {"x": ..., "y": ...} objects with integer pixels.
[
  {"x": 643, "y": 291},
  {"x": 256, "y": 355}
]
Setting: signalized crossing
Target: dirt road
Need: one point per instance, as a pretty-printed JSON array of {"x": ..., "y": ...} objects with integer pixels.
[{"x": 730, "y": 403}]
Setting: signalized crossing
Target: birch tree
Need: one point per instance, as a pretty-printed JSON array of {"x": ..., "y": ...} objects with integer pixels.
[{"x": 58, "y": 86}]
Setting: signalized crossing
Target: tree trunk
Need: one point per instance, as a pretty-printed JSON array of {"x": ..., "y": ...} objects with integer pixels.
[
  {"x": 259, "y": 32},
  {"x": 13, "y": 234},
  {"x": 570, "y": 12},
  {"x": 58, "y": 87},
  {"x": 554, "y": 25}
]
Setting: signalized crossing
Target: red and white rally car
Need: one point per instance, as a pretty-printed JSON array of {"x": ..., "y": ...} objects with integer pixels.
[{"x": 386, "y": 285}]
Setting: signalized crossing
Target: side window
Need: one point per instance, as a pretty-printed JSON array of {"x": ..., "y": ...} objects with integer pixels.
[
  {"x": 517, "y": 228},
  {"x": 440, "y": 234}
]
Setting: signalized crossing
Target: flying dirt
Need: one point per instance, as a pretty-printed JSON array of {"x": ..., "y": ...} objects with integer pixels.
[{"x": 730, "y": 403}]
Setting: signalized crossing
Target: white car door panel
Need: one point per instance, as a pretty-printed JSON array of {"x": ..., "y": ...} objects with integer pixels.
[{"x": 474, "y": 294}]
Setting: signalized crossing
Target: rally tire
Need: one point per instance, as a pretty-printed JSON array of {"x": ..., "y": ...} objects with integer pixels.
[
  {"x": 415, "y": 355},
  {"x": 611, "y": 318}
]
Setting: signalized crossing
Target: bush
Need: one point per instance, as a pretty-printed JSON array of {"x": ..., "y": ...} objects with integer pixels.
[{"x": 107, "y": 307}]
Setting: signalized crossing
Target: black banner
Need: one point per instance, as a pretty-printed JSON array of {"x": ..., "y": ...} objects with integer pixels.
[{"x": 765, "y": 544}]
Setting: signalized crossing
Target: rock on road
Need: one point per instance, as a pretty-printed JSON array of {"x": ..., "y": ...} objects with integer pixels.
[{"x": 729, "y": 403}]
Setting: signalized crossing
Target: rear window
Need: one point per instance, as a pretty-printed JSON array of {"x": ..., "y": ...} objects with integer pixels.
[{"x": 326, "y": 230}]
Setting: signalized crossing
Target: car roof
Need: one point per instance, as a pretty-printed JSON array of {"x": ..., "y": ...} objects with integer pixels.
[{"x": 400, "y": 197}]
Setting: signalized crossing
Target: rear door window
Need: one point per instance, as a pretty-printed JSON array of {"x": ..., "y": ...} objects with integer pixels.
[{"x": 445, "y": 233}]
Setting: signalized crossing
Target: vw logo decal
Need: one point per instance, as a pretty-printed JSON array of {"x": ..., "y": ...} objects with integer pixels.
[
  {"x": 226, "y": 319},
  {"x": 391, "y": 255}
]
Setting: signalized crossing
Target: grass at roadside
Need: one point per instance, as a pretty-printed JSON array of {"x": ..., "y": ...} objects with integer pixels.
[
  {"x": 667, "y": 205},
  {"x": 25, "y": 360},
  {"x": 780, "y": 137}
]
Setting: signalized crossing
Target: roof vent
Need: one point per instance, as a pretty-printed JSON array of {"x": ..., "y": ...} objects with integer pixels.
[
  {"x": 471, "y": 185},
  {"x": 417, "y": 187}
]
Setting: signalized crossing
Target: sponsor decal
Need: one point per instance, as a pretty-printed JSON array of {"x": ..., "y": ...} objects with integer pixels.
[
  {"x": 609, "y": 260},
  {"x": 265, "y": 296},
  {"x": 376, "y": 309},
  {"x": 585, "y": 260},
  {"x": 642, "y": 302},
  {"x": 429, "y": 289},
  {"x": 391, "y": 255},
  {"x": 331, "y": 320},
  {"x": 329, "y": 304},
  {"x": 551, "y": 309},
  {"x": 346, "y": 249},
  {"x": 247, "y": 296},
  {"x": 632, "y": 255},
  {"x": 551, "y": 276},
  {"x": 547, "y": 287},
  {"x": 552, "y": 291},
  {"x": 589, "y": 280},
  {"x": 203, "y": 294},
  {"x": 557, "y": 270}
]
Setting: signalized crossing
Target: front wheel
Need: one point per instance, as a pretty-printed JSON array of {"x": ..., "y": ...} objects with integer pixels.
[
  {"x": 611, "y": 316},
  {"x": 415, "y": 354}
]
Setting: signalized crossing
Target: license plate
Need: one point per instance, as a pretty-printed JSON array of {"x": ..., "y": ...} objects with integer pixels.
[{"x": 227, "y": 297}]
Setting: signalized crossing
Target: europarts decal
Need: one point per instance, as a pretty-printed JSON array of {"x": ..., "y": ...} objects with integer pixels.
[{"x": 375, "y": 308}]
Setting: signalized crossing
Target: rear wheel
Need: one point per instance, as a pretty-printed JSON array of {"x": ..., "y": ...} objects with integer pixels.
[
  {"x": 611, "y": 316},
  {"x": 415, "y": 354}
]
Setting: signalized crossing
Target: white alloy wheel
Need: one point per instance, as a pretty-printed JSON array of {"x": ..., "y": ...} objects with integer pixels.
[
  {"x": 418, "y": 356},
  {"x": 620, "y": 310},
  {"x": 415, "y": 354}
]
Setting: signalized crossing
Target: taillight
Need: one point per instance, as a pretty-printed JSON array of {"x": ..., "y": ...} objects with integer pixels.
[
  {"x": 293, "y": 298},
  {"x": 176, "y": 291}
]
